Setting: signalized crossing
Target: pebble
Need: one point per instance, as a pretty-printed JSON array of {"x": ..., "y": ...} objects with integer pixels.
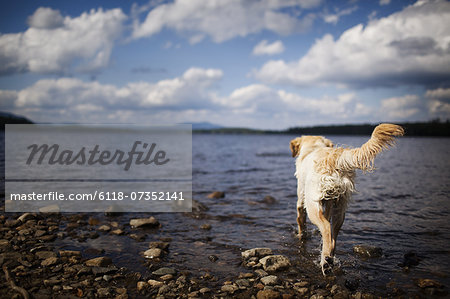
[
  {"x": 42, "y": 255},
  {"x": 213, "y": 258},
  {"x": 144, "y": 222},
  {"x": 104, "y": 228},
  {"x": 159, "y": 244},
  {"x": 216, "y": 194},
  {"x": 117, "y": 232},
  {"x": 104, "y": 292},
  {"x": 204, "y": 290},
  {"x": 154, "y": 283},
  {"x": 163, "y": 271},
  {"x": 206, "y": 226},
  {"x": 274, "y": 263},
  {"x": 153, "y": 253},
  {"x": 229, "y": 288},
  {"x": 256, "y": 252},
  {"x": 25, "y": 217},
  {"x": 261, "y": 272},
  {"x": 138, "y": 237},
  {"x": 268, "y": 294},
  {"x": 269, "y": 280},
  {"x": 367, "y": 251},
  {"x": 141, "y": 285},
  {"x": 99, "y": 261},
  {"x": 49, "y": 261},
  {"x": 63, "y": 253},
  {"x": 243, "y": 283},
  {"x": 166, "y": 277},
  {"x": 428, "y": 283}
]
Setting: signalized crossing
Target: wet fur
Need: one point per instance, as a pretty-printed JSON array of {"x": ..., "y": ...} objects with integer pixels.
[{"x": 325, "y": 176}]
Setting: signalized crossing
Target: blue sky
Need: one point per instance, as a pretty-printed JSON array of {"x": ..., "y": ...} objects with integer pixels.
[{"x": 269, "y": 64}]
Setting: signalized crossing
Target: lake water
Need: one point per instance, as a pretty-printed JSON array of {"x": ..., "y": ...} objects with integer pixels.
[{"x": 403, "y": 206}]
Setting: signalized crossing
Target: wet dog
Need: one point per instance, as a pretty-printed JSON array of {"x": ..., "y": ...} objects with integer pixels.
[{"x": 325, "y": 176}]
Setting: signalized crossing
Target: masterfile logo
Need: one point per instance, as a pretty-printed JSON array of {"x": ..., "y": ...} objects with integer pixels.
[{"x": 96, "y": 167}]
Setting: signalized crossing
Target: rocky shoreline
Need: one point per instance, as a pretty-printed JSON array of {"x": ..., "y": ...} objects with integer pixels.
[{"x": 34, "y": 266}]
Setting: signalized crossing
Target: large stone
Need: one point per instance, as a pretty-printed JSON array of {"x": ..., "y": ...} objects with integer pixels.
[
  {"x": 267, "y": 294},
  {"x": 273, "y": 263},
  {"x": 367, "y": 251},
  {"x": 257, "y": 252},
  {"x": 144, "y": 222},
  {"x": 163, "y": 271},
  {"x": 102, "y": 261},
  {"x": 269, "y": 280},
  {"x": 153, "y": 253}
]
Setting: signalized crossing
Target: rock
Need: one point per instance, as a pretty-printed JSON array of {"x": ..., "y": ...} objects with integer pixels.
[
  {"x": 267, "y": 294},
  {"x": 154, "y": 283},
  {"x": 274, "y": 263},
  {"x": 410, "y": 259},
  {"x": 153, "y": 253},
  {"x": 39, "y": 233},
  {"x": 256, "y": 252},
  {"x": 42, "y": 255},
  {"x": 47, "y": 238},
  {"x": 301, "y": 291},
  {"x": 141, "y": 285},
  {"x": 229, "y": 288},
  {"x": 67, "y": 253},
  {"x": 213, "y": 258},
  {"x": 204, "y": 290},
  {"x": 206, "y": 226},
  {"x": 104, "y": 292},
  {"x": 243, "y": 283},
  {"x": 159, "y": 244},
  {"x": 138, "y": 237},
  {"x": 117, "y": 232},
  {"x": 144, "y": 222},
  {"x": 261, "y": 272},
  {"x": 269, "y": 200},
  {"x": 269, "y": 280},
  {"x": 102, "y": 261},
  {"x": 49, "y": 261},
  {"x": 25, "y": 217},
  {"x": 163, "y": 271},
  {"x": 367, "y": 251},
  {"x": 166, "y": 277},
  {"x": 428, "y": 283},
  {"x": 104, "y": 228},
  {"x": 103, "y": 270},
  {"x": 216, "y": 194},
  {"x": 49, "y": 209},
  {"x": 198, "y": 207}
]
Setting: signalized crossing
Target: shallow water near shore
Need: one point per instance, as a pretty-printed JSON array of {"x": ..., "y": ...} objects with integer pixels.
[{"x": 402, "y": 206}]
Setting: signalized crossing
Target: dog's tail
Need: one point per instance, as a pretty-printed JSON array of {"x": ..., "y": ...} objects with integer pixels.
[{"x": 362, "y": 158}]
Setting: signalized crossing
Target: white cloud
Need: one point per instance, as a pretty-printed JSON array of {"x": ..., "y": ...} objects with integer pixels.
[
  {"x": 334, "y": 18},
  {"x": 408, "y": 47},
  {"x": 222, "y": 20},
  {"x": 264, "y": 48},
  {"x": 54, "y": 44},
  {"x": 385, "y": 2},
  {"x": 439, "y": 102},
  {"x": 401, "y": 108},
  {"x": 46, "y": 18}
]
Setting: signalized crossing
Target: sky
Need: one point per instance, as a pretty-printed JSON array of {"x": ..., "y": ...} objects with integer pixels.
[{"x": 266, "y": 64}]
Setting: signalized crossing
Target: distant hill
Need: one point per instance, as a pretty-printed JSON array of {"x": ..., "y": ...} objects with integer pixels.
[
  {"x": 204, "y": 126},
  {"x": 9, "y": 118},
  {"x": 432, "y": 128}
]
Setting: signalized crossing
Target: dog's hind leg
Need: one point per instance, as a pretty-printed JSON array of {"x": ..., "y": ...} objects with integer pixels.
[
  {"x": 301, "y": 214},
  {"x": 316, "y": 215},
  {"x": 338, "y": 217}
]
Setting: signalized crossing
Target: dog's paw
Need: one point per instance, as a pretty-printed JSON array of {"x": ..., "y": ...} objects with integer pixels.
[{"x": 327, "y": 266}]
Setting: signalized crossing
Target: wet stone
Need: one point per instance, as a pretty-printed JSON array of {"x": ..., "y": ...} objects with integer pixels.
[
  {"x": 154, "y": 283},
  {"x": 153, "y": 253},
  {"x": 256, "y": 252},
  {"x": 269, "y": 200},
  {"x": 104, "y": 228},
  {"x": 243, "y": 283},
  {"x": 49, "y": 261},
  {"x": 273, "y": 263},
  {"x": 216, "y": 194},
  {"x": 206, "y": 226},
  {"x": 69, "y": 253},
  {"x": 428, "y": 283},
  {"x": 99, "y": 261},
  {"x": 163, "y": 271},
  {"x": 367, "y": 251},
  {"x": 159, "y": 244},
  {"x": 269, "y": 280},
  {"x": 144, "y": 222},
  {"x": 42, "y": 255},
  {"x": 213, "y": 258},
  {"x": 268, "y": 294},
  {"x": 229, "y": 288}
]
